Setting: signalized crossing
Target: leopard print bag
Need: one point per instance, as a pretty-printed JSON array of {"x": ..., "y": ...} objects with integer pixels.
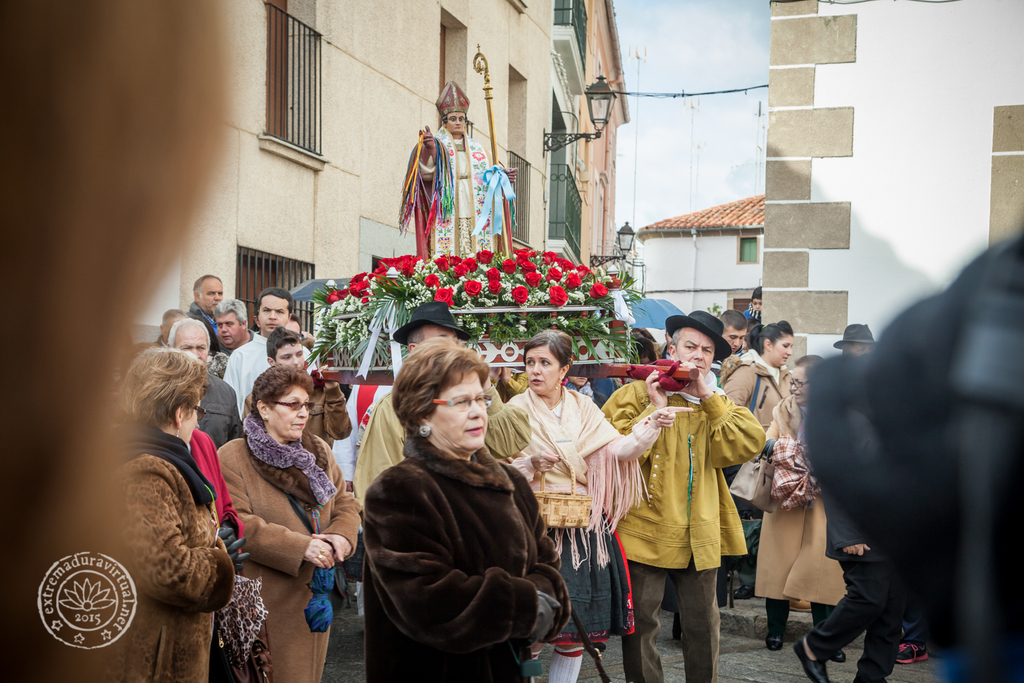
[{"x": 241, "y": 629}]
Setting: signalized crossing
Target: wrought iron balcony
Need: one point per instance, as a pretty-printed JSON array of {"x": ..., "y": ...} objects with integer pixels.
[
  {"x": 565, "y": 209},
  {"x": 294, "y": 85}
]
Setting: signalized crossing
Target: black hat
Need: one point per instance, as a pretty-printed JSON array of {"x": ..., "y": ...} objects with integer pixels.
[
  {"x": 430, "y": 313},
  {"x": 702, "y": 321},
  {"x": 858, "y": 333}
]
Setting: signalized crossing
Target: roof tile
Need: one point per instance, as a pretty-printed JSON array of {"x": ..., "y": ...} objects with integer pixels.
[{"x": 739, "y": 214}]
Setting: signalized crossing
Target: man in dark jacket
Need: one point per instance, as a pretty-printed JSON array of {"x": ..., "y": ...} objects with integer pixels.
[
  {"x": 221, "y": 421},
  {"x": 208, "y": 292}
]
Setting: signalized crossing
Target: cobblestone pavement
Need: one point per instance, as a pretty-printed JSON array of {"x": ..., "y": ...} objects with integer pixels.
[{"x": 742, "y": 659}]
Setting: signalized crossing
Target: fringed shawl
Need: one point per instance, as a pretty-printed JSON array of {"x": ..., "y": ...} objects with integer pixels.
[{"x": 583, "y": 437}]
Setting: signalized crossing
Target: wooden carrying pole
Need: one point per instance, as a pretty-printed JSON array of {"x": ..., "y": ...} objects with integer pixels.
[{"x": 480, "y": 66}]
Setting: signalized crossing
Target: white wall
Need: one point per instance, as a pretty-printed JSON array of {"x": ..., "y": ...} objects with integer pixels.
[
  {"x": 923, "y": 89},
  {"x": 671, "y": 263}
]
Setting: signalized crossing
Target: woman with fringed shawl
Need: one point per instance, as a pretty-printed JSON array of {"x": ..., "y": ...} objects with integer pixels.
[{"x": 568, "y": 427}]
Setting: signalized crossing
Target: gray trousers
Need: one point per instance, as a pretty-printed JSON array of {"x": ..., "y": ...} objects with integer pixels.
[{"x": 698, "y": 616}]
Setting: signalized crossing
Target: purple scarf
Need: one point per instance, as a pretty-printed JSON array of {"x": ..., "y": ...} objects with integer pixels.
[{"x": 264, "y": 447}]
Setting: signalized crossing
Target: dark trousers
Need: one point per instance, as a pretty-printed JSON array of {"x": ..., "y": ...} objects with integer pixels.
[
  {"x": 874, "y": 602},
  {"x": 915, "y": 626},
  {"x": 778, "y": 614}
]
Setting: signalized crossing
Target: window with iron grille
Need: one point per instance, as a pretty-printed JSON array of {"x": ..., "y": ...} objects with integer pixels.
[
  {"x": 256, "y": 270},
  {"x": 574, "y": 13},
  {"x": 293, "y": 81},
  {"x": 522, "y": 189}
]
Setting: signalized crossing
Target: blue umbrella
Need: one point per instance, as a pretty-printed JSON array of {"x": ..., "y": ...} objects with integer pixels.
[
  {"x": 319, "y": 612},
  {"x": 652, "y": 313},
  {"x": 307, "y": 289}
]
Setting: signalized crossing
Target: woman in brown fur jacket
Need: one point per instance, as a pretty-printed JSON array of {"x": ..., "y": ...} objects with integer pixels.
[
  {"x": 181, "y": 568},
  {"x": 276, "y": 460},
  {"x": 460, "y": 574}
]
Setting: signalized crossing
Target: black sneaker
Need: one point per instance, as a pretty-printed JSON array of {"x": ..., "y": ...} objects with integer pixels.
[{"x": 743, "y": 593}]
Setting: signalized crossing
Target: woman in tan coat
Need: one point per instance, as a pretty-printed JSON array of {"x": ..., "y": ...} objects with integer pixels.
[
  {"x": 762, "y": 379},
  {"x": 274, "y": 461},
  {"x": 791, "y": 562}
]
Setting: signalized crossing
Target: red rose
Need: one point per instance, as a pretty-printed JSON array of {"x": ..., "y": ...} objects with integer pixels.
[
  {"x": 472, "y": 287},
  {"x": 509, "y": 266},
  {"x": 583, "y": 270},
  {"x": 494, "y": 274},
  {"x": 461, "y": 270},
  {"x": 357, "y": 278},
  {"x": 454, "y": 260},
  {"x": 526, "y": 265},
  {"x": 520, "y": 294},
  {"x": 554, "y": 275},
  {"x": 470, "y": 265},
  {"x": 432, "y": 281},
  {"x": 522, "y": 251},
  {"x": 557, "y": 296},
  {"x": 444, "y": 294},
  {"x": 598, "y": 290},
  {"x": 409, "y": 268},
  {"x": 380, "y": 270},
  {"x": 485, "y": 257},
  {"x": 442, "y": 263},
  {"x": 359, "y": 287},
  {"x": 549, "y": 257},
  {"x": 566, "y": 264},
  {"x": 336, "y": 295},
  {"x": 532, "y": 279},
  {"x": 573, "y": 280},
  {"x": 494, "y": 286},
  {"x": 365, "y": 300}
]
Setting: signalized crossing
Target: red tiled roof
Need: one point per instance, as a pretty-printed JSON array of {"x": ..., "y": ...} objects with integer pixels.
[{"x": 740, "y": 214}]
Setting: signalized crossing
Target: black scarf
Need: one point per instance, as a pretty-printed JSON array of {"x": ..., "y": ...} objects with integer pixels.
[{"x": 143, "y": 440}]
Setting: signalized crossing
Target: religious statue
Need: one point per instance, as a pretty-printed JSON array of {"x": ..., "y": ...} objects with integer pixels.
[{"x": 446, "y": 194}]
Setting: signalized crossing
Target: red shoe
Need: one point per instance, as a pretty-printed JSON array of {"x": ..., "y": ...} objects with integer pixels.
[{"x": 910, "y": 653}]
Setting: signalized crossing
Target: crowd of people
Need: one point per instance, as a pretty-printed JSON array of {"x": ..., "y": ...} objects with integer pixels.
[{"x": 273, "y": 472}]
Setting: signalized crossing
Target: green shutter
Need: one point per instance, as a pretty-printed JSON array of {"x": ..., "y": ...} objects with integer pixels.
[{"x": 748, "y": 250}]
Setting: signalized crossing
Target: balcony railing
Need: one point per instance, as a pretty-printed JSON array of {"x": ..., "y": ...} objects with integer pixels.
[
  {"x": 522, "y": 189},
  {"x": 293, "y": 81},
  {"x": 574, "y": 13},
  {"x": 565, "y": 208}
]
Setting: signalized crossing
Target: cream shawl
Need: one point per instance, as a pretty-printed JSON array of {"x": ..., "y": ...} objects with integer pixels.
[{"x": 583, "y": 437}]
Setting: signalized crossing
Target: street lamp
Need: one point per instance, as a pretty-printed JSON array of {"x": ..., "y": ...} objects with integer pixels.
[
  {"x": 623, "y": 245},
  {"x": 600, "y": 97}
]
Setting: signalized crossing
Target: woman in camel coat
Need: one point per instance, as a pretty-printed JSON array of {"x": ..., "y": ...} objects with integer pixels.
[
  {"x": 791, "y": 562},
  {"x": 761, "y": 381},
  {"x": 276, "y": 459}
]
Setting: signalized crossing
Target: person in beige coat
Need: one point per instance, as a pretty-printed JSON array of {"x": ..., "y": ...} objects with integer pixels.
[
  {"x": 791, "y": 562},
  {"x": 276, "y": 460},
  {"x": 762, "y": 379}
]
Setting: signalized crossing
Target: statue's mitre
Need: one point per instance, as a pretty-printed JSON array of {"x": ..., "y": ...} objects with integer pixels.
[{"x": 452, "y": 99}]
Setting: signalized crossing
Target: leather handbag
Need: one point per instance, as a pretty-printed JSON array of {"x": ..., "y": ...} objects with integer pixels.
[
  {"x": 241, "y": 643},
  {"x": 753, "y": 483}
]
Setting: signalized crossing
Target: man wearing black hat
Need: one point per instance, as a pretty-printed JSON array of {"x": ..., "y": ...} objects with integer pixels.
[
  {"x": 508, "y": 427},
  {"x": 857, "y": 340},
  {"x": 689, "y": 519}
]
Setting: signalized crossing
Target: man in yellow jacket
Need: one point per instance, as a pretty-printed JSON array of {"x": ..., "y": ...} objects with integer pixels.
[{"x": 689, "y": 520}]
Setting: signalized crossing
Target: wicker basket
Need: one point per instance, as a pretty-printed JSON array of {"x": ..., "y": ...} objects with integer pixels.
[{"x": 564, "y": 510}]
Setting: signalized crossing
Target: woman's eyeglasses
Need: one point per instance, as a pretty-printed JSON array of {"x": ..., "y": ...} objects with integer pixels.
[
  {"x": 462, "y": 403},
  {"x": 296, "y": 406},
  {"x": 797, "y": 384},
  {"x": 200, "y": 412}
]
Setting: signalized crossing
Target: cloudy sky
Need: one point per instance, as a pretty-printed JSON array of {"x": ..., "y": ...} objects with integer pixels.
[{"x": 691, "y": 45}]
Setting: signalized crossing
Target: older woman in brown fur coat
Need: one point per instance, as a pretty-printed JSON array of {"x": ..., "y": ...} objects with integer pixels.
[
  {"x": 181, "y": 568},
  {"x": 791, "y": 562},
  {"x": 460, "y": 576},
  {"x": 276, "y": 460}
]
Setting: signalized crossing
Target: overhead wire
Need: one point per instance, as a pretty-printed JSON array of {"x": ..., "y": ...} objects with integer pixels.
[{"x": 683, "y": 93}]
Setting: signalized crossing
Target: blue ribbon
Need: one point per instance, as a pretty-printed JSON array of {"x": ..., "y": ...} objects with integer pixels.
[{"x": 496, "y": 181}]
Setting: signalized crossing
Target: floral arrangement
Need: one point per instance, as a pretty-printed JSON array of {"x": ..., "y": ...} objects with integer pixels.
[{"x": 525, "y": 294}]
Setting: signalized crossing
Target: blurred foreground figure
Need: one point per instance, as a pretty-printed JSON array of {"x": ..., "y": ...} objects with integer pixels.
[
  {"x": 939, "y": 405},
  {"x": 117, "y": 106}
]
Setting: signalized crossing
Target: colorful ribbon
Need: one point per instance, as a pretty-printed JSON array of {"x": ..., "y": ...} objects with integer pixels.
[{"x": 496, "y": 180}]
